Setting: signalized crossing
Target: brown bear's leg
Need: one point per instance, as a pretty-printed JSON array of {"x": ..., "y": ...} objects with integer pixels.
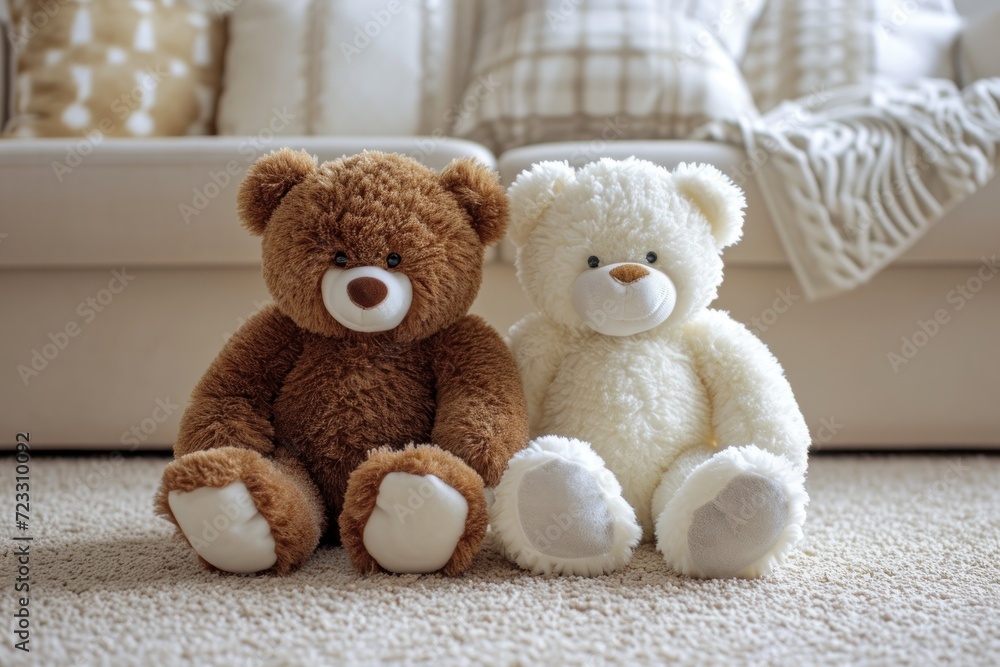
[
  {"x": 420, "y": 509},
  {"x": 242, "y": 512}
]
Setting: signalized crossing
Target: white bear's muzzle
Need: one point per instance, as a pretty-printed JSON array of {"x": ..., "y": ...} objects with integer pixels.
[
  {"x": 623, "y": 299},
  {"x": 367, "y": 298}
]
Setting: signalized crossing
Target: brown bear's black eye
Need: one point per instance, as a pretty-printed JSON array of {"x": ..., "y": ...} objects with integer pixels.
[
  {"x": 593, "y": 261},
  {"x": 340, "y": 259},
  {"x": 393, "y": 260},
  {"x": 650, "y": 257}
]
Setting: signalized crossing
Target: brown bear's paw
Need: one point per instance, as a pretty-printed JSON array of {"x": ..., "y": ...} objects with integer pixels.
[
  {"x": 241, "y": 512},
  {"x": 418, "y": 510}
]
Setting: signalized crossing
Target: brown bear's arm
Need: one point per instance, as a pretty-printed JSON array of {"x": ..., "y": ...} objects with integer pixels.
[
  {"x": 481, "y": 414},
  {"x": 231, "y": 405}
]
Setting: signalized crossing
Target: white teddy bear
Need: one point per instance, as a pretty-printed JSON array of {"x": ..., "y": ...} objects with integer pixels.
[{"x": 681, "y": 405}]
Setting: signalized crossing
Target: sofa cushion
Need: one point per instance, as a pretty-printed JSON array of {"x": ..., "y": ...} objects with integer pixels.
[
  {"x": 153, "y": 202},
  {"x": 117, "y": 68},
  {"x": 342, "y": 67},
  {"x": 551, "y": 70}
]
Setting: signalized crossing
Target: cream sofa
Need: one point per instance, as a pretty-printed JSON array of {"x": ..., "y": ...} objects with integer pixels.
[{"x": 121, "y": 277}]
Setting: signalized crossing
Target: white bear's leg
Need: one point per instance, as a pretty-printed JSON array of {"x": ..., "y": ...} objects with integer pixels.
[
  {"x": 225, "y": 528},
  {"x": 736, "y": 514},
  {"x": 416, "y": 523},
  {"x": 559, "y": 510}
]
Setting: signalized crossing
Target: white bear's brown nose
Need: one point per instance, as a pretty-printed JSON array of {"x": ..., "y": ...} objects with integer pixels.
[
  {"x": 367, "y": 292},
  {"x": 629, "y": 273}
]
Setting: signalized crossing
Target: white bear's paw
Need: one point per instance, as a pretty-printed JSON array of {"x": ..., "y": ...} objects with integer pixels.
[
  {"x": 559, "y": 510},
  {"x": 737, "y": 515},
  {"x": 416, "y": 523},
  {"x": 225, "y": 528}
]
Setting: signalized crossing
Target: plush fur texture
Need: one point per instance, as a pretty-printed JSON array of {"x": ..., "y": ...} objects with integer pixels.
[
  {"x": 362, "y": 491},
  {"x": 671, "y": 395},
  {"x": 294, "y": 385}
]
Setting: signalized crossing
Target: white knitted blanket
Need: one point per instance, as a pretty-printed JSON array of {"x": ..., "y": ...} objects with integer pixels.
[{"x": 855, "y": 179}]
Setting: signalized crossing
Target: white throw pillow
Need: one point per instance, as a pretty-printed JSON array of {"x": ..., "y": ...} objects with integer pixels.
[
  {"x": 915, "y": 39},
  {"x": 338, "y": 67},
  {"x": 555, "y": 70},
  {"x": 803, "y": 48}
]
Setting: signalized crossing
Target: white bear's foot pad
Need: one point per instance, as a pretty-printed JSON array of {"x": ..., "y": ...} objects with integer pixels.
[
  {"x": 225, "y": 528},
  {"x": 558, "y": 510},
  {"x": 563, "y": 513},
  {"x": 739, "y": 526},
  {"x": 416, "y": 524}
]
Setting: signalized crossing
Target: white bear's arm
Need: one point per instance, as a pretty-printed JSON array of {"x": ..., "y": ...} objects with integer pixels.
[
  {"x": 538, "y": 346},
  {"x": 752, "y": 402}
]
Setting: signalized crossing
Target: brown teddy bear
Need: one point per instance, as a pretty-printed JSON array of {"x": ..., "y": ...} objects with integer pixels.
[{"x": 316, "y": 419}]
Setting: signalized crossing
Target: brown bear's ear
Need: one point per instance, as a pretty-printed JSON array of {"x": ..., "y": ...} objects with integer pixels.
[
  {"x": 477, "y": 189},
  {"x": 267, "y": 182}
]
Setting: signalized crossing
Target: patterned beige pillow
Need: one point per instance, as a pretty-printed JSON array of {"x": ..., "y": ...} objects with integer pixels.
[
  {"x": 119, "y": 67},
  {"x": 558, "y": 70}
]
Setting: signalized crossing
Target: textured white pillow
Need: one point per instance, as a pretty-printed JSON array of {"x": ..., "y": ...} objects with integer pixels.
[
  {"x": 338, "y": 67},
  {"x": 554, "y": 70}
]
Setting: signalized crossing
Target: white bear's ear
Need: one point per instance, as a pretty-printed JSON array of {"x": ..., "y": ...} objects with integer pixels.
[
  {"x": 719, "y": 199},
  {"x": 532, "y": 193}
]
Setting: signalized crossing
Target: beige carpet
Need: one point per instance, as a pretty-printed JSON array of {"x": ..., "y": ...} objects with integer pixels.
[{"x": 900, "y": 565}]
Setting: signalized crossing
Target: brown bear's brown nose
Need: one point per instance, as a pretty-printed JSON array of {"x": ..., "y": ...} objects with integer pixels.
[
  {"x": 367, "y": 292},
  {"x": 629, "y": 273}
]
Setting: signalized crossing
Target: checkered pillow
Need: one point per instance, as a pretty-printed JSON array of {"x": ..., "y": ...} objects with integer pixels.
[{"x": 557, "y": 70}]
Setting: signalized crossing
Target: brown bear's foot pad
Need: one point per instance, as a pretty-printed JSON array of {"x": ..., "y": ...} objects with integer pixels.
[
  {"x": 417, "y": 510},
  {"x": 241, "y": 512}
]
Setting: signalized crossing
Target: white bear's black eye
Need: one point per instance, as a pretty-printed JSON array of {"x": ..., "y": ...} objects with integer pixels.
[
  {"x": 593, "y": 261},
  {"x": 393, "y": 260},
  {"x": 340, "y": 259},
  {"x": 650, "y": 257}
]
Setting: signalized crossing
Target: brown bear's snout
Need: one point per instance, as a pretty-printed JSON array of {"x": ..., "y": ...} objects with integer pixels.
[
  {"x": 367, "y": 292},
  {"x": 629, "y": 273}
]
